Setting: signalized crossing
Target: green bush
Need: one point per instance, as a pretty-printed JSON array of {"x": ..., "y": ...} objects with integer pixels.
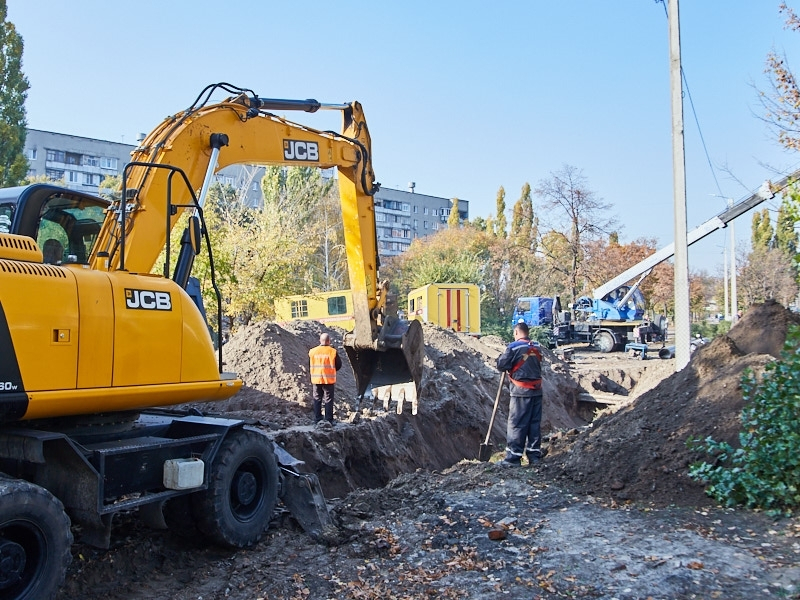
[
  {"x": 765, "y": 471},
  {"x": 710, "y": 330}
]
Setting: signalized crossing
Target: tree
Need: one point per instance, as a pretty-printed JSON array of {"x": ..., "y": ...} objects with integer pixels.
[
  {"x": 761, "y": 230},
  {"x": 500, "y": 223},
  {"x": 110, "y": 188},
  {"x": 524, "y": 226},
  {"x": 766, "y": 274},
  {"x": 782, "y": 102},
  {"x": 785, "y": 235},
  {"x": 454, "y": 219},
  {"x": 576, "y": 214},
  {"x": 13, "y": 91}
]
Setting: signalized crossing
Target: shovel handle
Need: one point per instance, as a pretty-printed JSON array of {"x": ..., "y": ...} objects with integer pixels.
[{"x": 494, "y": 410}]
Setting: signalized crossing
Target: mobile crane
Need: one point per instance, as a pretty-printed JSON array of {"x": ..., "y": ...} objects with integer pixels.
[
  {"x": 614, "y": 315},
  {"x": 91, "y": 341}
]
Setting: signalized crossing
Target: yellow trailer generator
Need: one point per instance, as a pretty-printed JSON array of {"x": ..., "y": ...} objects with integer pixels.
[
  {"x": 450, "y": 305},
  {"x": 335, "y": 309}
]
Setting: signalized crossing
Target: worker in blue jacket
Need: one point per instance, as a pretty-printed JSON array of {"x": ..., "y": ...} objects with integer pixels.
[{"x": 522, "y": 360}]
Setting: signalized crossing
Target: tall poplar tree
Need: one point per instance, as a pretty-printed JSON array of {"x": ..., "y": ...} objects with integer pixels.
[
  {"x": 785, "y": 234},
  {"x": 454, "y": 220},
  {"x": 761, "y": 230},
  {"x": 501, "y": 223},
  {"x": 13, "y": 91}
]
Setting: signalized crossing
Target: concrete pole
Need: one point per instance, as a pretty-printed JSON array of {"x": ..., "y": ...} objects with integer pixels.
[
  {"x": 734, "y": 299},
  {"x": 727, "y": 310},
  {"x": 682, "y": 319}
]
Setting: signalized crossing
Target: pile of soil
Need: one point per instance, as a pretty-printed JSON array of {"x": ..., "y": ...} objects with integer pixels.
[{"x": 640, "y": 452}]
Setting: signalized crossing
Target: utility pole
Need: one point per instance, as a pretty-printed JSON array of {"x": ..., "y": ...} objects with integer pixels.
[
  {"x": 727, "y": 310},
  {"x": 682, "y": 320},
  {"x": 734, "y": 299}
]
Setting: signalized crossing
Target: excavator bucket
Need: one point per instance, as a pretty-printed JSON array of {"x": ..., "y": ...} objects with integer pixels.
[{"x": 395, "y": 372}]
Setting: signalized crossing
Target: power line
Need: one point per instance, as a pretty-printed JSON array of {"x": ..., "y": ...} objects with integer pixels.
[{"x": 694, "y": 114}]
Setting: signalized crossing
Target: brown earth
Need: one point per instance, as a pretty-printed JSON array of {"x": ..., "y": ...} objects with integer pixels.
[{"x": 610, "y": 514}]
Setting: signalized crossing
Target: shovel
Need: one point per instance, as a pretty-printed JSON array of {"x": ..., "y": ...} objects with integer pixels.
[{"x": 486, "y": 449}]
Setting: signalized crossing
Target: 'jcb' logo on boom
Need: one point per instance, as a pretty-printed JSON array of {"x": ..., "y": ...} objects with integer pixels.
[
  {"x": 297, "y": 150},
  {"x": 147, "y": 300}
]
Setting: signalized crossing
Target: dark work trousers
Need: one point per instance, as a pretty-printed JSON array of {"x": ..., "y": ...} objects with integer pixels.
[
  {"x": 323, "y": 396},
  {"x": 523, "y": 435}
]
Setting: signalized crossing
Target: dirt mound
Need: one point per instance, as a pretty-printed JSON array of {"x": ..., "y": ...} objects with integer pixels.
[
  {"x": 640, "y": 452},
  {"x": 369, "y": 446}
]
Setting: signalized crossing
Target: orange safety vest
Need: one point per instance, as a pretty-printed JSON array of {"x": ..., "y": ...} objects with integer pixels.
[{"x": 323, "y": 364}]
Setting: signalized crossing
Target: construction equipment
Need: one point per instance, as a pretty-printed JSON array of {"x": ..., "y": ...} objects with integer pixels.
[
  {"x": 486, "y": 450},
  {"x": 615, "y": 313},
  {"x": 92, "y": 341}
]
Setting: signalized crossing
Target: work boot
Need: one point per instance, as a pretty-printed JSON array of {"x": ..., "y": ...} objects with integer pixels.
[{"x": 509, "y": 462}]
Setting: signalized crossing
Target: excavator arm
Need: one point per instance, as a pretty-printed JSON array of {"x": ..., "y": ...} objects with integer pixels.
[{"x": 386, "y": 353}]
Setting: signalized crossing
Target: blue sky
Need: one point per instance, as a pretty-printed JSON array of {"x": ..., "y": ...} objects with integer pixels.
[{"x": 460, "y": 97}]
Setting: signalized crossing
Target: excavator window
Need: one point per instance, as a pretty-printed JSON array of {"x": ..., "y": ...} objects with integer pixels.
[{"x": 73, "y": 224}]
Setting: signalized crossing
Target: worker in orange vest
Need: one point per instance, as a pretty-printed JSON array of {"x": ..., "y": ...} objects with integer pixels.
[{"x": 324, "y": 362}]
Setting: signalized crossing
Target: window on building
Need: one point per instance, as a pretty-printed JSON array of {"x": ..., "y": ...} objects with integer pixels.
[
  {"x": 337, "y": 305},
  {"x": 55, "y": 174},
  {"x": 379, "y": 216},
  {"x": 107, "y": 162},
  {"x": 56, "y": 156},
  {"x": 435, "y": 226},
  {"x": 416, "y": 223},
  {"x": 415, "y": 209},
  {"x": 73, "y": 159},
  {"x": 30, "y": 154},
  {"x": 89, "y": 179},
  {"x": 424, "y": 224},
  {"x": 426, "y": 210},
  {"x": 299, "y": 309},
  {"x": 91, "y": 161},
  {"x": 434, "y": 212},
  {"x": 73, "y": 176},
  {"x": 406, "y": 207}
]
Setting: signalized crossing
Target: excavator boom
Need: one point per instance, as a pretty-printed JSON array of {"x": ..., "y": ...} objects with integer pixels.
[{"x": 244, "y": 129}]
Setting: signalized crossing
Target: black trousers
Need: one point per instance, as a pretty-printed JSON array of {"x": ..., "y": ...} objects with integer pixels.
[
  {"x": 323, "y": 398},
  {"x": 523, "y": 434}
]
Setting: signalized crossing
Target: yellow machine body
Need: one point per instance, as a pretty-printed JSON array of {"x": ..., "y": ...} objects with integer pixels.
[{"x": 88, "y": 341}]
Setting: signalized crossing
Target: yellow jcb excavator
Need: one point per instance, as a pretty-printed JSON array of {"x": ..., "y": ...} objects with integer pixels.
[{"x": 91, "y": 341}]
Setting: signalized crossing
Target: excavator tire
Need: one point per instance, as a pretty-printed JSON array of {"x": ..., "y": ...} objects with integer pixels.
[
  {"x": 236, "y": 509},
  {"x": 35, "y": 540}
]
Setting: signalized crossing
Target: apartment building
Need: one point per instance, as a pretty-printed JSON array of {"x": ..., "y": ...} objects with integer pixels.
[
  {"x": 82, "y": 163},
  {"x": 402, "y": 216}
]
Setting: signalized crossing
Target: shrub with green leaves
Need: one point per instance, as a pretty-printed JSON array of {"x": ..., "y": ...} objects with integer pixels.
[{"x": 765, "y": 471}]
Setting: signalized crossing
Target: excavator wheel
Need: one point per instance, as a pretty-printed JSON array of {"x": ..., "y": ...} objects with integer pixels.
[
  {"x": 35, "y": 540},
  {"x": 236, "y": 509}
]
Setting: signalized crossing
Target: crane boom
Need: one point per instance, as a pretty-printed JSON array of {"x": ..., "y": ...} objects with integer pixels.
[{"x": 765, "y": 192}]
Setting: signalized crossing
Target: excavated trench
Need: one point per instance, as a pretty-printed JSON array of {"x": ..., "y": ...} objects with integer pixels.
[{"x": 368, "y": 446}]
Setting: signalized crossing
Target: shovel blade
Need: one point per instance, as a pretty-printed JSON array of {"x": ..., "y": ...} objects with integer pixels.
[{"x": 485, "y": 452}]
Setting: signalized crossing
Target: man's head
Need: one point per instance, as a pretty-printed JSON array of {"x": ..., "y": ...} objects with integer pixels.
[
  {"x": 521, "y": 331},
  {"x": 324, "y": 339}
]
